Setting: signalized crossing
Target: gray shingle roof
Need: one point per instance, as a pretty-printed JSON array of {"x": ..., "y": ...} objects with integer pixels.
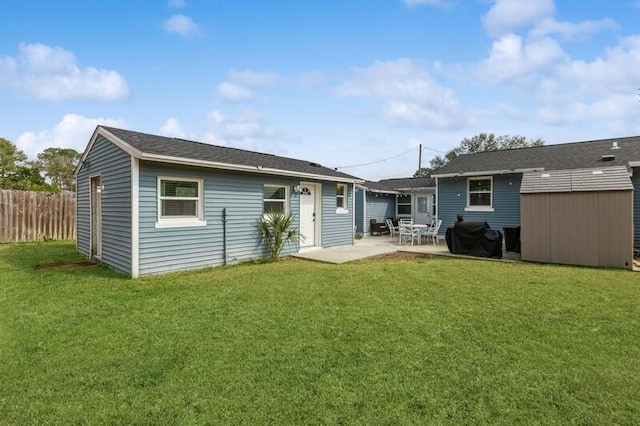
[
  {"x": 614, "y": 178},
  {"x": 186, "y": 149},
  {"x": 409, "y": 183},
  {"x": 576, "y": 155}
]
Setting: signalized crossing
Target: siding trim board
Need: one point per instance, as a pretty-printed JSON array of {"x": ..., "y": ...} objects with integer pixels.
[{"x": 135, "y": 217}]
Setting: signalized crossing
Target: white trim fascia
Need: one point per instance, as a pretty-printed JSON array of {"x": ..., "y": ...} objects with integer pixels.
[
  {"x": 488, "y": 172},
  {"x": 437, "y": 201},
  {"x": 135, "y": 217},
  {"x": 113, "y": 139},
  {"x": 634, "y": 163}
]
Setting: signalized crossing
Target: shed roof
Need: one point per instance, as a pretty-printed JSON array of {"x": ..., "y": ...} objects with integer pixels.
[
  {"x": 181, "y": 151},
  {"x": 568, "y": 156},
  {"x": 615, "y": 178}
]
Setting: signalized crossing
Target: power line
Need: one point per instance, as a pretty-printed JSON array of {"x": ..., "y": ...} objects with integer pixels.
[{"x": 376, "y": 162}]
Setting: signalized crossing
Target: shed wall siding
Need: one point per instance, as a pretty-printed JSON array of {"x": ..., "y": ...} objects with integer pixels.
[
  {"x": 452, "y": 200},
  {"x": 635, "y": 179},
  {"x": 337, "y": 228},
  {"x": 379, "y": 207},
  {"x": 114, "y": 167},
  {"x": 182, "y": 248}
]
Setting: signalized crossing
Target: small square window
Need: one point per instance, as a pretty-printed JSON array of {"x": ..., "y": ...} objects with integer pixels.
[
  {"x": 274, "y": 198},
  {"x": 480, "y": 192},
  {"x": 180, "y": 202}
]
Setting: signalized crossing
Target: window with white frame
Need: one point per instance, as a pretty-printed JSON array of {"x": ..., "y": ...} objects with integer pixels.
[
  {"x": 404, "y": 205},
  {"x": 274, "y": 198},
  {"x": 341, "y": 197},
  {"x": 180, "y": 200},
  {"x": 480, "y": 192}
]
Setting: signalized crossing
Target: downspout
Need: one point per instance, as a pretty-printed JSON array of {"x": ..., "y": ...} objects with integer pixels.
[
  {"x": 437, "y": 204},
  {"x": 224, "y": 236}
]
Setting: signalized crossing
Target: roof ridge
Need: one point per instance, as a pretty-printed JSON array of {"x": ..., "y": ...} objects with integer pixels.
[{"x": 214, "y": 145}]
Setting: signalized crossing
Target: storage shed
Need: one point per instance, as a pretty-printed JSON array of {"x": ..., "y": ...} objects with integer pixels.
[{"x": 578, "y": 217}]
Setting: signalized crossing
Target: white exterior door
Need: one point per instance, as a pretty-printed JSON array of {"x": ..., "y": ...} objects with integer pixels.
[
  {"x": 308, "y": 216},
  {"x": 422, "y": 208}
]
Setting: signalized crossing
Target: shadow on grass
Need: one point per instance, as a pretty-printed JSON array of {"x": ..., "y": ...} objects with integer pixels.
[{"x": 59, "y": 257}]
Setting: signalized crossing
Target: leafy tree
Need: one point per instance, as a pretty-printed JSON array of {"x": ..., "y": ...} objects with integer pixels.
[
  {"x": 277, "y": 231},
  {"x": 17, "y": 172},
  {"x": 478, "y": 143},
  {"x": 10, "y": 159},
  {"x": 58, "y": 164}
]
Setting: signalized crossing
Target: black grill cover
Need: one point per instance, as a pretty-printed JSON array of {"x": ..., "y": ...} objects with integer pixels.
[{"x": 474, "y": 239}]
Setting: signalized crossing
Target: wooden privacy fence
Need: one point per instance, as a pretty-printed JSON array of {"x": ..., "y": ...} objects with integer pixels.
[{"x": 36, "y": 216}]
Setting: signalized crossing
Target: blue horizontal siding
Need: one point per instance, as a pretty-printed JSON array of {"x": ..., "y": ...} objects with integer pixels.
[
  {"x": 114, "y": 167},
  {"x": 452, "y": 200},
  {"x": 175, "y": 249},
  {"x": 337, "y": 228},
  {"x": 379, "y": 207}
]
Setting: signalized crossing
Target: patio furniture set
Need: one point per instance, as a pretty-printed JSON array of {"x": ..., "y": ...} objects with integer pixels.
[{"x": 407, "y": 230}]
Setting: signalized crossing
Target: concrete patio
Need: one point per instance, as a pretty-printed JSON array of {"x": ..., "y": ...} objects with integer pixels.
[{"x": 369, "y": 247}]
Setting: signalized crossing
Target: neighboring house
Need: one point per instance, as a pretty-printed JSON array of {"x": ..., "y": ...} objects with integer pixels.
[
  {"x": 151, "y": 204},
  {"x": 568, "y": 198},
  {"x": 399, "y": 198}
]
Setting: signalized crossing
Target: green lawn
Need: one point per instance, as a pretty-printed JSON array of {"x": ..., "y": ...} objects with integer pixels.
[{"x": 435, "y": 340}]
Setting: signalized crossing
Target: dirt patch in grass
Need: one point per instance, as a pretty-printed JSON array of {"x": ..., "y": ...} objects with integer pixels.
[
  {"x": 401, "y": 255},
  {"x": 67, "y": 265}
]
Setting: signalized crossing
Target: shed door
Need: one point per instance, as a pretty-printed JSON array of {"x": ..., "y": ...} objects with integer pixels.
[
  {"x": 308, "y": 219},
  {"x": 96, "y": 217}
]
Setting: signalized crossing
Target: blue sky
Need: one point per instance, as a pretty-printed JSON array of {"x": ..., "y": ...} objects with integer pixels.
[{"x": 342, "y": 83}]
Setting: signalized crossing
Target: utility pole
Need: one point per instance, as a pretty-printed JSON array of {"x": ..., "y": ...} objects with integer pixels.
[{"x": 420, "y": 159}]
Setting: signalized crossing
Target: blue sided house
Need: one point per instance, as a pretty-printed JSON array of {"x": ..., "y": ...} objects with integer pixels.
[
  {"x": 396, "y": 198},
  {"x": 150, "y": 204},
  {"x": 575, "y": 203}
]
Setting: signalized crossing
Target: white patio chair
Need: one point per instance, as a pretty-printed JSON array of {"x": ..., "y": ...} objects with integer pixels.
[
  {"x": 406, "y": 231},
  {"x": 392, "y": 229},
  {"x": 432, "y": 232}
]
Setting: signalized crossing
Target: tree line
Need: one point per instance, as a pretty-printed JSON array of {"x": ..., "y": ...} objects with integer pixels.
[{"x": 51, "y": 171}]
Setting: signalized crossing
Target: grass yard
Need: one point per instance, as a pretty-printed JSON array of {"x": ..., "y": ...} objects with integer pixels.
[{"x": 420, "y": 341}]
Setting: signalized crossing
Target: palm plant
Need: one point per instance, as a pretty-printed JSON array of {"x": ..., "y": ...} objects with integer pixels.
[{"x": 277, "y": 231}]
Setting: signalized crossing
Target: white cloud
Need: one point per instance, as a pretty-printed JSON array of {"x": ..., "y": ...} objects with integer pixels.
[
  {"x": 239, "y": 84},
  {"x": 51, "y": 73},
  {"x": 233, "y": 92},
  {"x": 253, "y": 78},
  {"x": 247, "y": 130},
  {"x": 181, "y": 25},
  {"x": 73, "y": 131},
  {"x": 513, "y": 58},
  {"x": 615, "y": 72},
  {"x": 177, "y": 4},
  {"x": 172, "y": 128},
  {"x": 506, "y": 16},
  {"x": 570, "y": 31},
  {"x": 412, "y": 96}
]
